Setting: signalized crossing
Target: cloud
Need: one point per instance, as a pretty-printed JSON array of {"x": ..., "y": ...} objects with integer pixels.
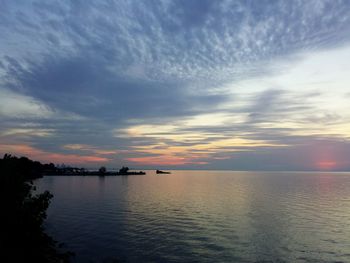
[
  {"x": 181, "y": 83},
  {"x": 37, "y": 154},
  {"x": 164, "y": 161},
  {"x": 18, "y": 132},
  {"x": 89, "y": 148},
  {"x": 16, "y": 105}
]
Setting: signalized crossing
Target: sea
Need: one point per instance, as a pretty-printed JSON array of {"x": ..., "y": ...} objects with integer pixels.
[{"x": 202, "y": 216}]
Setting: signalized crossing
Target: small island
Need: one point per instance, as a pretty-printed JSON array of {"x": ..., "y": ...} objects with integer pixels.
[{"x": 162, "y": 172}]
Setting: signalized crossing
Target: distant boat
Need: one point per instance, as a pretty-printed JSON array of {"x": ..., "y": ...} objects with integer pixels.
[{"x": 161, "y": 172}]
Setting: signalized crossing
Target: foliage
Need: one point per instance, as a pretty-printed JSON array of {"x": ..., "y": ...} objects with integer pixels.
[
  {"x": 102, "y": 170},
  {"x": 21, "y": 222}
]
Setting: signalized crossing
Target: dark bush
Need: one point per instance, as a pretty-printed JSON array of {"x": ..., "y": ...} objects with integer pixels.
[{"x": 22, "y": 237}]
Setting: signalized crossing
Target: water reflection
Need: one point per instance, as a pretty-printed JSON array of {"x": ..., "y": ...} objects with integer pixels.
[{"x": 203, "y": 216}]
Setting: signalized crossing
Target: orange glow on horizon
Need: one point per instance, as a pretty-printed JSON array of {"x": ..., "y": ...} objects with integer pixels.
[
  {"x": 327, "y": 165},
  {"x": 163, "y": 160},
  {"x": 37, "y": 154}
]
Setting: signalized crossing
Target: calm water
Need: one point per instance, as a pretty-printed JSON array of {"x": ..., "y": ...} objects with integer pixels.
[{"x": 203, "y": 216}]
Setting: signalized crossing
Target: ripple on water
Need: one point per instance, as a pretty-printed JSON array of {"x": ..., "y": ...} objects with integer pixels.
[{"x": 192, "y": 216}]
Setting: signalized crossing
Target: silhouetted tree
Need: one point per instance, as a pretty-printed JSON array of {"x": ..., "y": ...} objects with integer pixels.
[
  {"x": 124, "y": 169},
  {"x": 22, "y": 236},
  {"x": 102, "y": 170}
]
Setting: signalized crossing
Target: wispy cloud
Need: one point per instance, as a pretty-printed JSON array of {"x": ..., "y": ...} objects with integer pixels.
[
  {"x": 185, "y": 83},
  {"x": 58, "y": 158}
]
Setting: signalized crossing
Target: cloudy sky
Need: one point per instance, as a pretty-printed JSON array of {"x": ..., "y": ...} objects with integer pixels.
[{"x": 182, "y": 84}]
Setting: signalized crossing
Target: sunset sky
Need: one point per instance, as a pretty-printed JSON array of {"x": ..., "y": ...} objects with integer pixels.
[{"x": 241, "y": 85}]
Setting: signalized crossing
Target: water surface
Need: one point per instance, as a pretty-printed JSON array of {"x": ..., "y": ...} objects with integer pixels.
[{"x": 202, "y": 216}]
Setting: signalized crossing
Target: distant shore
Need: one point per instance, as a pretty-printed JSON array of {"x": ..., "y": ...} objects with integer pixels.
[
  {"x": 92, "y": 173},
  {"x": 70, "y": 171}
]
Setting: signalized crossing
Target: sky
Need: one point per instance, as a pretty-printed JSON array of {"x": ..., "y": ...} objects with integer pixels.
[{"x": 181, "y": 84}]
